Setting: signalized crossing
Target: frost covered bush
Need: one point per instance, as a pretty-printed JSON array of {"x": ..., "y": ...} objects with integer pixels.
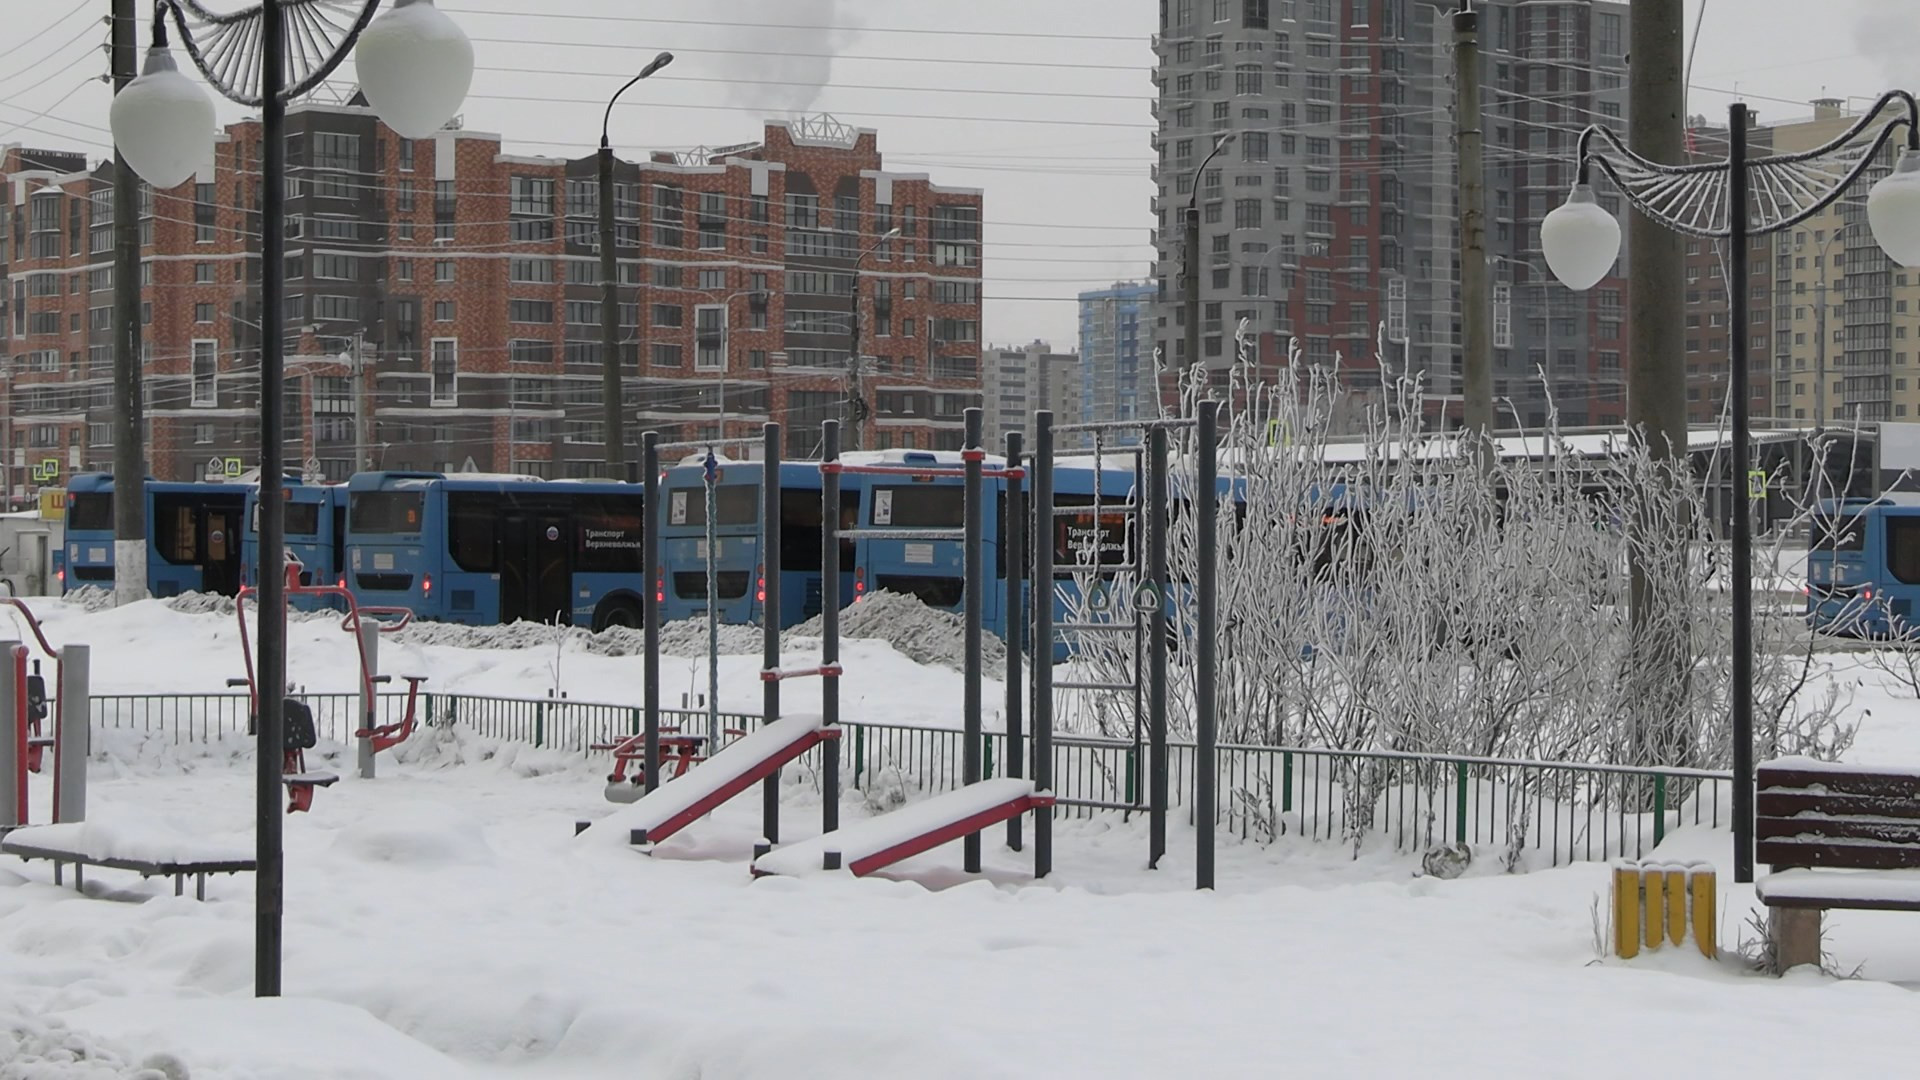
[{"x": 1414, "y": 591}]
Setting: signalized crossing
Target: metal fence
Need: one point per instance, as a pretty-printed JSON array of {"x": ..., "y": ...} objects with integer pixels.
[{"x": 1556, "y": 811}]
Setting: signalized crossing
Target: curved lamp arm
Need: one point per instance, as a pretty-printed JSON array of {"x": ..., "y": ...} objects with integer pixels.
[
  {"x": 654, "y": 65},
  {"x": 226, "y": 47},
  {"x": 1193, "y": 198},
  {"x": 1787, "y": 189}
]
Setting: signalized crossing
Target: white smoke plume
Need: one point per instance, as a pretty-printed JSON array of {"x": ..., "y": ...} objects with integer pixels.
[
  {"x": 1885, "y": 37},
  {"x": 785, "y": 69}
]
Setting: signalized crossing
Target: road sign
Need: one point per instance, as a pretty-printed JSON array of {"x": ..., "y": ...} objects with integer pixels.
[
  {"x": 234, "y": 466},
  {"x": 216, "y": 469},
  {"x": 53, "y": 504},
  {"x": 1756, "y": 483}
]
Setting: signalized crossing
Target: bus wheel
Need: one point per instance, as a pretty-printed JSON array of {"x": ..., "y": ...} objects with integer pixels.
[{"x": 613, "y": 613}]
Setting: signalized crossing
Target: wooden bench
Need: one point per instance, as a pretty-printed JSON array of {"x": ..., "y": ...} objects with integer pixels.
[{"x": 1835, "y": 836}]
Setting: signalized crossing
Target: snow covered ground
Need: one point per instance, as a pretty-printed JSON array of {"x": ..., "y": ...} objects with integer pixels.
[{"x": 443, "y": 921}]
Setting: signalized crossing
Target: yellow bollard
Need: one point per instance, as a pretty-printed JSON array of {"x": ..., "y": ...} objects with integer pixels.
[
  {"x": 1678, "y": 900},
  {"x": 1626, "y": 910},
  {"x": 1702, "y": 885},
  {"x": 1656, "y": 914}
]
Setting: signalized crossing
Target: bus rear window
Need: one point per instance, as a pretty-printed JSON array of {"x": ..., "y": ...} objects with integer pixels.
[
  {"x": 1837, "y": 533},
  {"x": 734, "y": 504},
  {"x": 91, "y": 512},
  {"x": 919, "y": 506},
  {"x": 385, "y": 512},
  {"x": 302, "y": 519}
]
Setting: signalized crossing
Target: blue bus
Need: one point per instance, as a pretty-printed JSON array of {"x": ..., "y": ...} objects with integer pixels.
[
  {"x": 316, "y": 533},
  {"x": 193, "y": 535},
  {"x": 740, "y": 569},
  {"x": 934, "y": 571},
  {"x": 1863, "y": 566},
  {"x": 488, "y": 550}
]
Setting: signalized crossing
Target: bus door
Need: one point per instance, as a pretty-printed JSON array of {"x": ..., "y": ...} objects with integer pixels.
[{"x": 536, "y": 572}]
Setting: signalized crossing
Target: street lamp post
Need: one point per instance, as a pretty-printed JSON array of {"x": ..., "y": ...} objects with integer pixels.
[
  {"x": 1190, "y": 272},
  {"x": 616, "y": 438},
  {"x": 414, "y": 66},
  {"x": 1737, "y": 200},
  {"x": 857, "y": 411}
]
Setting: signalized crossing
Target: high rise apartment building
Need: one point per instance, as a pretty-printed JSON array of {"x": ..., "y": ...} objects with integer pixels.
[
  {"x": 451, "y": 291},
  {"x": 1118, "y": 378},
  {"x": 1021, "y": 380},
  {"x": 1333, "y": 213}
]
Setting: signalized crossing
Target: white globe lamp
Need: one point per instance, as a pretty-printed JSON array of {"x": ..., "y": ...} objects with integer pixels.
[
  {"x": 1580, "y": 240},
  {"x": 415, "y": 66},
  {"x": 163, "y": 122},
  {"x": 1893, "y": 211}
]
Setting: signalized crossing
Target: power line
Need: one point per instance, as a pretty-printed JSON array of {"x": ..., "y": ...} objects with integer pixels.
[{"x": 1131, "y": 39}]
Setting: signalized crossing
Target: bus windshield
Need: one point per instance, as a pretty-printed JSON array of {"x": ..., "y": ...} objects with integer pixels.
[
  {"x": 734, "y": 504},
  {"x": 91, "y": 512},
  {"x": 386, "y": 512}
]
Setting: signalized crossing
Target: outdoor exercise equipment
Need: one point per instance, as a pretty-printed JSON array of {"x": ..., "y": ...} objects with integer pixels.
[
  {"x": 24, "y": 709},
  {"x": 301, "y": 733}
]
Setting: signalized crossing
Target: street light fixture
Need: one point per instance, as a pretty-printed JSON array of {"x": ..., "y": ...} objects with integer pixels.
[
  {"x": 1190, "y": 273},
  {"x": 1737, "y": 200},
  {"x": 415, "y": 66},
  {"x": 614, "y": 415}
]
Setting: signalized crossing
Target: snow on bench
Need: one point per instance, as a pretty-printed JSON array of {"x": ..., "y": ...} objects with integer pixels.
[
  {"x": 866, "y": 846},
  {"x": 685, "y": 799},
  {"x": 126, "y": 843},
  {"x": 1867, "y": 889}
]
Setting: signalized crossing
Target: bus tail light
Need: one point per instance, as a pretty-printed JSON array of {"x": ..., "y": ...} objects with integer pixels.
[
  {"x": 60, "y": 575},
  {"x": 426, "y": 585},
  {"x": 660, "y": 588},
  {"x": 760, "y": 588},
  {"x": 859, "y": 582}
]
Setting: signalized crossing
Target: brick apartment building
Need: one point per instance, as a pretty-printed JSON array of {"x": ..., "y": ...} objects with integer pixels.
[{"x": 442, "y": 300}]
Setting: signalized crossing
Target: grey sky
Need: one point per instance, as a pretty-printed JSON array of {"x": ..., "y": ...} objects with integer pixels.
[{"x": 1054, "y": 128}]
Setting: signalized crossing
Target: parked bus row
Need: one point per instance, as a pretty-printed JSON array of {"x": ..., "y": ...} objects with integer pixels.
[{"x": 486, "y": 549}]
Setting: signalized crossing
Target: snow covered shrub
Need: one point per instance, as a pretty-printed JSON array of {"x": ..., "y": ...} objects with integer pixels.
[{"x": 1411, "y": 590}]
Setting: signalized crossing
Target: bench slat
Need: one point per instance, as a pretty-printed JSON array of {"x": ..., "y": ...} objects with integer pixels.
[
  {"x": 1780, "y": 853},
  {"x": 1838, "y": 827},
  {"x": 1837, "y": 782},
  {"x": 1788, "y": 803}
]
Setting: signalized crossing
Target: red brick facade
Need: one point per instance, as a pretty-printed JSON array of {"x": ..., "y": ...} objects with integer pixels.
[{"x": 466, "y": 281}]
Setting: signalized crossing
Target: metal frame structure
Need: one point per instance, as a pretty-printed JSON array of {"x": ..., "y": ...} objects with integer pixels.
[
  {"x": 1204, "y": 425},
  {"x": 1718, "y": 200}
]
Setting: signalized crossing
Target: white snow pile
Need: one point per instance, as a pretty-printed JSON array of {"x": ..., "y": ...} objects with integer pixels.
[
  {"x": 203, "y": 603},
  {"x": 90, "y": 598},
  {"x": 923, "y": 634},
  {"x": 32, "y": 1049}
]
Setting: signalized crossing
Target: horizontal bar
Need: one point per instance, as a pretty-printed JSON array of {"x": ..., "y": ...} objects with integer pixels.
[
  {"x": 1095, "y": 686},
  {"x": 1127, "y": 509},
  {"x": 1099, "y": 804},
  {"x": 1098, "y": 628},
  {"x": 1128, "y": 425},
  {"x": 704, "y": 444},
  {"x": 955, "y": 535},
  {"x": 1075, "y": 569},
  {"x": 825, "y": 671},
  {"x": 919, "y": 470}
]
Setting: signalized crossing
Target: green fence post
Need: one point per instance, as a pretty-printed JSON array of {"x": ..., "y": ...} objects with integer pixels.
[
  {"x": 859, "y": 754},
  {"x": 986, "y": 755},
  {"x": 633, "y": 722},
  {"x": 1286, "y": 781},
  {"x": 1133, "y": 772},
  {"x": 1659, "y": 808},
  {"x": 540, "y": 723},
  {"x": 1460, "y": 804}
]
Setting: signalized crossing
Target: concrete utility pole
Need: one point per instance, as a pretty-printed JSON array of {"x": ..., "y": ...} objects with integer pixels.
[
  {"x": 129, "y": 435},
  {"x": 1475, "y": 307},
  {"x": 1656, "y": 372},
  {"x": 1656, "y": 129},
  {"x": 362, "y": 439}
]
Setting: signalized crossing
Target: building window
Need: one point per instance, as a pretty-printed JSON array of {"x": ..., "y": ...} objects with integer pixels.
[
  {"x": 206, "y": 373},
  {"x": 202, "y": 273},
  {"x": 665, "y": 355},
  {"x": 335, "y": 267},
  {"x": 526, "y": 351},
  {"x": 443, "y": 311},
  {"x": 202, "y": 313},
  {"x": 535, "y": 271},
  {"x": 446, "y": 371},
  {"x": 403, "y": 269},
  {"x": 709, "y": 328},
  {"x": 203, "y": 213},
  {"x": 530, "y": 311},
  {"x": 443, "y": 270}
]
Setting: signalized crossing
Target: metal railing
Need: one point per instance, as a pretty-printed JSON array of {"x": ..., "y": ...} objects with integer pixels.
[{"x": 1558, "y": 811}]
